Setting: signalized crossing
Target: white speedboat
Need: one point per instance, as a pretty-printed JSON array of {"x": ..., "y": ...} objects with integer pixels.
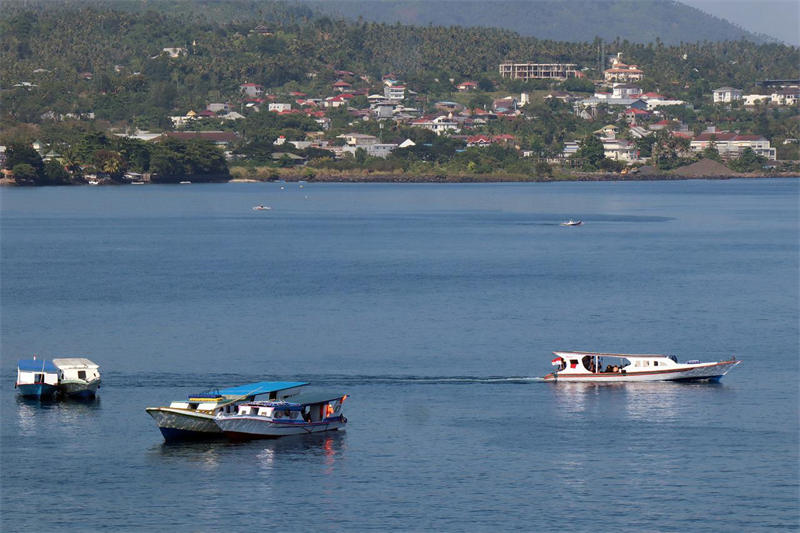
[
  {"x": 571, "y": 222},
  {"x": 194, "y": 418},
  {"x": 80, "y": 377},
  {"x": 311, "y": 412},
  {"x": 260, "y": 207},
  {"x": 619, "y": 367}
]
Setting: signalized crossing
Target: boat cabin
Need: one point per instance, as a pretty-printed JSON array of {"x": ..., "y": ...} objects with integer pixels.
[
  {"x": 616, "y": 363},
  {"x": 37, "y": 372},
  {"x": 77, "y": 368},
  {"x": 304, "y": 408}
]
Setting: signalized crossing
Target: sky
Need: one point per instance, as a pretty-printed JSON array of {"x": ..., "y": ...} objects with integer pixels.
[{"x": 776, "y": 18}]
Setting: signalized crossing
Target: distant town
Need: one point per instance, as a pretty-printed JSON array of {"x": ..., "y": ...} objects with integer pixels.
[{"x": 563, "y": 121}]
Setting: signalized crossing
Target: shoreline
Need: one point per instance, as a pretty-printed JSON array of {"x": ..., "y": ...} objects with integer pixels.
[{"x": 441, "y": 178}]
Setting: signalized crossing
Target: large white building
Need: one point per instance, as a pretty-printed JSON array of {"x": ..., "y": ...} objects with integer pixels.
[
  {"x": 731, "y": 145},
  {"x": 726, "y": 95},
  {"x": 539, "y": 71}
]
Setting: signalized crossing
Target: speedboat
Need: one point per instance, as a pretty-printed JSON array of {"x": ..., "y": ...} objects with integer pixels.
[
  {"x": 620, "y": 367},
  {"x": 571, "y": 222},
  {"x": 311, "y": 412},
  {"x": 193, "y": 418},
  {"x": 80, "y": 377},
  {"x": 260, "y": 207},
  {"x": 37, "y": 378}
]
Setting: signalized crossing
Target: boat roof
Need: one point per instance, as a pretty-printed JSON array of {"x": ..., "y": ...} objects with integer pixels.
[
  {"x": 622, "y": 355},
  {"x": 312, "y": 397},
  {"x": 254, "y": 389},
  {"x": 36, "y": 365},
  {"x": 74, "y": 362}
]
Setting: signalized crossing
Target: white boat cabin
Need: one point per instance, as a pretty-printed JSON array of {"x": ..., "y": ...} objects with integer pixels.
[
  {"x": 77, "y": 368},
  {"x": 603, "y": 363},
  {"x": 301, "y": 409},
  {"x": 37, "y": 371}
]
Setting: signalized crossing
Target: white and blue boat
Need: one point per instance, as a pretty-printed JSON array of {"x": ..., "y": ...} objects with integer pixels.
[
  {"x": 308, "y": 412},
  {"x": 37, "y": 378},
  {"x": 193, "y": 418}
]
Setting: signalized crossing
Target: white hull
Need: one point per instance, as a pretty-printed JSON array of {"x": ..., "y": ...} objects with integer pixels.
[
  {"x": 255, "y": 427},
  {"x": 79, "y": 387},
  {"x": 181, "y": 420},
  {"x": 684, "y": 372}
]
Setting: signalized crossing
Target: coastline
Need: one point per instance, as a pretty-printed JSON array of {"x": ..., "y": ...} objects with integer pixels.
[{"x": 478, "y": 178}]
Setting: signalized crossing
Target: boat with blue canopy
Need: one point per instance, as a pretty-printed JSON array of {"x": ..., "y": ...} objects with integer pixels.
[
  {"x": 193, "y": 418},
  {"x": 36, "y": 378},
  {"x": 308, "y": 412}
]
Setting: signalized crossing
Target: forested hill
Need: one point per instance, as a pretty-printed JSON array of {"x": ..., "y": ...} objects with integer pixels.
[{"x": 640, "y": 21}]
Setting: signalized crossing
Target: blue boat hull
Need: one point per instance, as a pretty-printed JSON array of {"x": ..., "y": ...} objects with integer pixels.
[
  {"x": 178, "y": 435},
  {"x": 37, "y": 390}
]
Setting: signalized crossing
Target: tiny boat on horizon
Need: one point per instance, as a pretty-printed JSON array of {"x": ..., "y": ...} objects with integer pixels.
[
  {"x": 620, "y": 367},
  {"x": 310, "y": 412},
  {"x": 571, "y": 222},
  {"x": 193, "y": 418},
  {"x": 261, "y": 207},
  {"x": 79, "y": 377},
  {"x": 36, "y": 378}
]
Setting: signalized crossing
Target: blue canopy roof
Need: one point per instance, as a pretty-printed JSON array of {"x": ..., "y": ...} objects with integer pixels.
[
  {"x": 37, "y": 365},
  {"x": 261, "y": 387}
]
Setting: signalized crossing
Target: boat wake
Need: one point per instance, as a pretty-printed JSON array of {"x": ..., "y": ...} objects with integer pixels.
[{"x": 208, "y": 382}]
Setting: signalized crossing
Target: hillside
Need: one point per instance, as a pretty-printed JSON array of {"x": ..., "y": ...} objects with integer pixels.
[{"x": 639, "y": 21}]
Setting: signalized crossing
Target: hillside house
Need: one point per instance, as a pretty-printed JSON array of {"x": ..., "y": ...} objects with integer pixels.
[
  {"x": 726, "y": 95},
  {"x": 622, "y": 72},
  {"x": 625, "y": 90},
  {"x": 731, "y": 145},
  {"x": 394, "y": 92},
  {"x": 252, "y": 90},
  {"x": 466, "y": 86},
  {"x": 219, "y": 107},
  {"x": 341, "y": 86},
  {"x": 439, "y": 125},
  {"x": 278, "y": 107}
]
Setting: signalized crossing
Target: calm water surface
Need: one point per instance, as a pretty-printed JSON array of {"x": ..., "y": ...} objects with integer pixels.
[{"x": 435, "y": 307}]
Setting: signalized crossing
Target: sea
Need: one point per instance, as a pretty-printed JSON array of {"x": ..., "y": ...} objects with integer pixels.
[{"x": 435, "y": 307}]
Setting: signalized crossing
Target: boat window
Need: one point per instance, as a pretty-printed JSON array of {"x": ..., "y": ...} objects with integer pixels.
[
  {"x": 655, "y": 363},
  {"x": 573, "y": 363},
  {"x": 38, "y": 378},
  {"x": 81, "y": 374}
]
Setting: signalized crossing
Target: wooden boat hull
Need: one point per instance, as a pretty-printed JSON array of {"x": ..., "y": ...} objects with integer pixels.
[
  {"x": 36, "y": 390},
  {"x": 699, "y": 372},
  {"x": 78, "y": 388},
  {"x": 254, "y": 427},
  {"x": 179, "y": 424}
]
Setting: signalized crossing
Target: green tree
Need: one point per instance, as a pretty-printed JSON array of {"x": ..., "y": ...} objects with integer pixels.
[
  {"x": 25, "y": 174},
  {"x": 711, "y": 152},
  {"x": 591, "y": 153},
  {"x": 748, "y": 161},
  {"x": 55, "y": 173}
]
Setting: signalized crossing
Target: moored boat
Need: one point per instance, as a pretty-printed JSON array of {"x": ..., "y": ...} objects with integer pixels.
[
  {"x": 36, "y": 378},
  {"x": 571, "y": 222},
  {"x": 310, "y": 412},
  {"x": 193, "y": 418},
  {"x": 619, "y": 367},
  {"x": 79, "y": 377}
]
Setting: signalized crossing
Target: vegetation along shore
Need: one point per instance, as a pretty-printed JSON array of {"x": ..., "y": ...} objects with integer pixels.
[{"x": 165, "y": 92}]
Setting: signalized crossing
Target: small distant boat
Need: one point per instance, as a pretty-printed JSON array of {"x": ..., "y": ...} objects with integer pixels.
[
  {"x": 310, "y": 412},
  {"x": 37, "y": 378},
  {"x": 260, "y": 207},
  {"x": 620, "y": 367},
  {"x": 571, "y": 222},
  {"x": 185, "y": 182},
  {"x": 193, "y": 419},
  {"x": 94, "y": 182},
  {"x": 137, "y": 183},
  {"x": 80, "y": 377}
]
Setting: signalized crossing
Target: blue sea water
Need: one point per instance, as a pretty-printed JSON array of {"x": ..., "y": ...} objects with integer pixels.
[{"x": 436, "y": 308}]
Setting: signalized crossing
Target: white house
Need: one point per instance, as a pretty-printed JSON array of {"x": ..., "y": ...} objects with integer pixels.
[
  {"x": 439, "y": 125},
  {"x": 621, "y": 72},
  {"x": 278, "y": 107},
  {"x": 252, "y": 89},
  {"x": 394, "y": 92},
  {"x": 727, "y": 94},
  {"x": 731, "y": 145},
  {"x": 625, "y": 90}
]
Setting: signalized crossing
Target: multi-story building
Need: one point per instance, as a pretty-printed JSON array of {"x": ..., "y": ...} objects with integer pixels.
[
  {"x": 539, "y": 71},
  {"x": 731, "y": 145}
]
